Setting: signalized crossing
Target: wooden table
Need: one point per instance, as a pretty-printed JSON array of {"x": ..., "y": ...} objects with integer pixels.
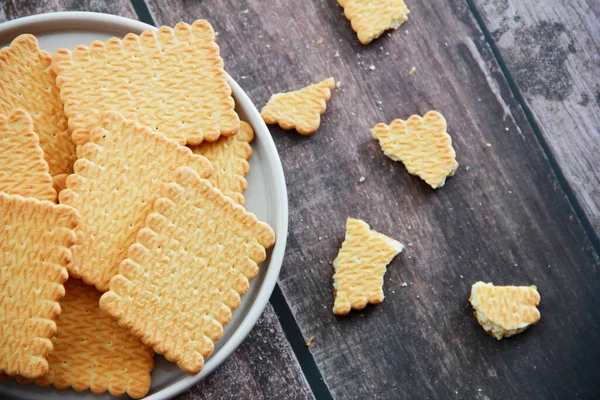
[{"x": 519, "y": 83}]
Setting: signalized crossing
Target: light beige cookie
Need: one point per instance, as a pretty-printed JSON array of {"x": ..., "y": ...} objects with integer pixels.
[
  {"x": 28, "y": 82},
  {"x": 229, "y": 157},
  {"x": 59, "y": 182},
  {"x": 118, "y": 176},
  {"x": 171, "y": 80},
  {"x": 192, "y": 261},
  {"x": 505, "y": 311},
  {"x": 370, "y": 18},
  {"x": 422, "y": 144},
  {"x": 301, "y": 109},
  {"x": 360, "y": 266},
  {"x": 91, "y": 351},
  {"x": 35, "y": 241},
  {"x": 23, "y": 170}
]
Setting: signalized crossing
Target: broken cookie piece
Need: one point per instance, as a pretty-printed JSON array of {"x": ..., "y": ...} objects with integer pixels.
[
  {"x": 370, "y": 18},
  {"x": 300, "y": 110},
  {"x": 421, "y": 144},
  {"x": 360, "y": 266},
  {"x": 505, "y": 311}
]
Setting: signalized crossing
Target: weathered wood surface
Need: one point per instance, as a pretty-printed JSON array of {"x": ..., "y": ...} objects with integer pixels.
[
  {"x": 264, "y": 367},
  {"x": 502, "y": 218},
  {"x": 553, "y": 53}
]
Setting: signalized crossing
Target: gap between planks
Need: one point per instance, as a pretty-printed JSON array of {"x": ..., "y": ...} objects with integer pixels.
[{"x": 516, "y": 92}]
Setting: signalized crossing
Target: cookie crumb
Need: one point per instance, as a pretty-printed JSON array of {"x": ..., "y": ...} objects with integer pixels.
[
  {"x": 412, "y": 70},
  {"x": 309, "y": 341},
  {"x": 319, "y": 42},
  {"x": 338, "y": 84}
]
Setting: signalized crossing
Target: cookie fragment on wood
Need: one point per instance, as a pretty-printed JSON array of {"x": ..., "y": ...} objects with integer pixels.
[
  {"x": 370, "y": 18},
  {"x": 360, "y": 266},
  {"x": 191, "y": 263},
  {"x": 28, "y": 82},
  {"x": 421, "y": 144},
  {"x": 229, "y": 157},
  {"x": 301, "y": 109},
  {"x": 505, "y": 311},
  {"x": 117, "y": 177},
  {"x": 91, "y": 351},
  {"x": 36, "y": 237},
  {"x": 23, "y": 170},
  {"x": 171, "y": 80}
]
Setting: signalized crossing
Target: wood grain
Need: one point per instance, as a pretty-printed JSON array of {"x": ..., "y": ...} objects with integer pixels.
[
  {"x": 264, "y": 366},
  {"x": 502, "y": 218},
  {"x": 553, "y": 53}
]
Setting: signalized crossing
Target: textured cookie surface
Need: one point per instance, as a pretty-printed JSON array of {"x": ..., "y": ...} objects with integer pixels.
[
  {"x": 117, "y": 178},
  {"x": 187, "y": 270},
  {"x": 422, "y": 144},
  {"x": 504, "y": 311},
  {"x": 301, "y": 109},
  {"x": 23, "y": 170},
  {"x": 28, "y": 82},
  {"x": 35, "y": 241},
  {"x": 59, "y": 182},
  {"x": 171, "y": 80},
  {"x": 91, "y": 351},
  {"x": 360, "y": 266},
  {"x": 229, "y": 157},
  {"x": 370, "y": 18}
]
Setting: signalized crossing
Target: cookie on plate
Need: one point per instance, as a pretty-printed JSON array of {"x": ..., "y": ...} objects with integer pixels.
[
  {"x": 28, "y": 82},
  {"x": 190, "y": 264},
  {"x": 23, "y": 170},
  {"x": 118, "y": 175},
  {"x": 171, "y": 80},
  {"x": 229, "y": 157},
  {"x": 37, "y": 237}
]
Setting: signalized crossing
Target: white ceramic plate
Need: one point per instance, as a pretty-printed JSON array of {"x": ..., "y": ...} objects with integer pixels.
[{"x": 266, "y": 197}]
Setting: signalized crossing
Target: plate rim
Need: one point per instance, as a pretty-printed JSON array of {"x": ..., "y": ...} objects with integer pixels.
[{"x": 280, "y": 211}]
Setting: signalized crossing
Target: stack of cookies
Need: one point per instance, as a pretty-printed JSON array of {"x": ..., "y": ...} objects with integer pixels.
[{"x": 122, "y": 170}]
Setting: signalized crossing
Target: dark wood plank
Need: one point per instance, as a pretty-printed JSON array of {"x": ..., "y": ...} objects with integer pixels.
[
  {"x": 553, "y": 54},
  {"x": 502, "y": 218},
  {"x": 264, "y": 366},
  {"x": 23, "y": 8}
]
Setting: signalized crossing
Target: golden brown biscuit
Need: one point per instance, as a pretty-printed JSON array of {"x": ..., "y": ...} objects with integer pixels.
[
  {"x": 229, "y": 157},
  {"x": 422, "y": 144},
  {"x": 505, "y": 311},
  {"x": 23, "y": 170},
  {"x": 301, "y": 109},
  {"x": 185, "y": 274},
  {"x": 36, "y": 237},
  {"x": 171, "y": 80},
  {"x": 91, "y": 351},
  {"x": 360, "y": 266},
  {"x": 118, "y": 176},
  {"x": 370, "y": 18},
  {"x": 28, "y": 82},
  {"x": 59, "y": 182}
]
